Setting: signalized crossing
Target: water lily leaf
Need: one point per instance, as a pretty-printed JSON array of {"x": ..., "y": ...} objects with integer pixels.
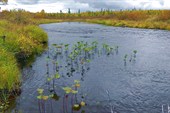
[
  {"x": 40, "y": 91},
  {"x": 74, "y": 91},
  {"x": 59, "y": 46},
  {"x": 57, "y": 76},
  {"x": 55, "y": 97},
  {"x": 135, "y": 51},
  {"x": 51, "y": 96},
  {"x": 125, "y": 56},
  {"x": 76, "y": 81},
  {"x": 67, "y": 89},
  {"x": 82, "y": 103},
  {"x": 56, "y": 63},
  {"x": 66, "y": 45},
  {"x": 54, "y": 44},
  {"x": 39, "y": 97},
  {"x": 44, "y": 97},
  {"x": 88, "y": 60},
  {"x": 49, "y": 79},
  {"x": 67, "y": 92},
  {"x": 76, "y": 107},
  {"x": 83, "y": 111},
  {"x": 77, "y": 85},
  {"x": 70, "y": 56}
]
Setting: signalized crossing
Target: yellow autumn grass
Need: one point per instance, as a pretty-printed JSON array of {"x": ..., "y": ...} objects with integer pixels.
[{"x": 21, "y": 40}]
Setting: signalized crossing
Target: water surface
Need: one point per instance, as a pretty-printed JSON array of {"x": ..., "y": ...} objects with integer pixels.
[{"x": 142, "y": 86}]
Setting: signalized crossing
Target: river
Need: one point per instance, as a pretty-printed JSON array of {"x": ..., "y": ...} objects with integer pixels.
[{"x": 109, "y": 86}]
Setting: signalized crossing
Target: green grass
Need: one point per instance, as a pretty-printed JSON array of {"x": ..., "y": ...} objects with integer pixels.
[
  {"x": 9, "y": 71},
  {"x": 22, "y": 41}
]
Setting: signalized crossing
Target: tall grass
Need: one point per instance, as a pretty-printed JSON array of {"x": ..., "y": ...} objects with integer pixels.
[
  {"x": 8, "y": 70},
  {"x": 21, "y": 41}
]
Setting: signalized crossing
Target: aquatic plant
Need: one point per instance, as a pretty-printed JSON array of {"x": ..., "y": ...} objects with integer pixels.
[
  {"x": 70, "y": 90},
  {"x": 125, "y": 57},
  {"x": 77, "y": 61},
  {"x": 41, "y": 99},
  {"x": 135, "y": 52},
  {"x": 66, "y": 47}
]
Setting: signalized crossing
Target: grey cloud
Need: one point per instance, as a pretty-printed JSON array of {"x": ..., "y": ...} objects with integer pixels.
[
  {"x": 33, "y": 2},
  {"x": 119, "y": 4},
  {"x": 95, "y": 4},
  {"x": 109, "y": 4},
  {"x": 27, "y": 1}
]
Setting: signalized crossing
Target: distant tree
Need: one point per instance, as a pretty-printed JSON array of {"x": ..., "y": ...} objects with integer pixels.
[
  {"x": 79, "y": 11},
  {"x": 69, "y": 11},
  {"x": 61, "y": 11},
  {"x": 42, "y": 11},
  {"x": 40, "y": 14},
  {"x": 101, "y": 10},
  {"x": 134, "y": 9}
]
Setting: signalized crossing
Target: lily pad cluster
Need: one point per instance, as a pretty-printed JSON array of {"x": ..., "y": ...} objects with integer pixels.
[
  {"x": 67, "y": 60},
  {"x": 132, "y": 57}
]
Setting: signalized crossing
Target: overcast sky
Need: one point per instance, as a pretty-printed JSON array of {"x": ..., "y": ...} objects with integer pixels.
[{"x": 83, "y": 5}]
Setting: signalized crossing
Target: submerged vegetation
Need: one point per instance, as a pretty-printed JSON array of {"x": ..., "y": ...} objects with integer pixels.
[{"x": 66, "y": 62}]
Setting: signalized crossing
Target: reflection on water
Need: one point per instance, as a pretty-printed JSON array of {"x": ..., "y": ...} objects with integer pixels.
[{"x": 114, "y": 83}]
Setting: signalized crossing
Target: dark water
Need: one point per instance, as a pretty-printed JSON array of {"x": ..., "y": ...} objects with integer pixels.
[{"x": 142, "y": 86}]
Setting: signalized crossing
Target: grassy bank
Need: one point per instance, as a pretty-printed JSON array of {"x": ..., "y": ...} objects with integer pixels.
[
  {"x": 149, "y": 19},
  {"x": 20, "y": 42},
  {"x": 132, "y": 24}
]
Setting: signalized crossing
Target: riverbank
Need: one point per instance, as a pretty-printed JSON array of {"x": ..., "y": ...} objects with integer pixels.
[
  {"x": 147, "y": 19},
  {"x": 131, "y": 24},
  {"x": 18, "y": 42}
]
